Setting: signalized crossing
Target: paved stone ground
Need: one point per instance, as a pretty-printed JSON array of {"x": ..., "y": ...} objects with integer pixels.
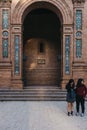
[{"x": 39, "y": 115}]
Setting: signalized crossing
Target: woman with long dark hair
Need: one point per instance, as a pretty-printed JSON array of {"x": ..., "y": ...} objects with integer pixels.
[
  {"x": 70, "y": 98},
  {"x": 81, "y": 92}
]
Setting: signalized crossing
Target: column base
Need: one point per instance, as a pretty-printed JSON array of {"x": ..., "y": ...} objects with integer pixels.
[
  {"x": 16, "y": 84},
  {"x": 63, "y": 83}
]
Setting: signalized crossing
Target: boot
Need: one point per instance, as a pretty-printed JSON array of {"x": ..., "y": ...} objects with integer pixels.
[
  {"x": 72, "y": 113},
  {"x": 68, "y": 113}
]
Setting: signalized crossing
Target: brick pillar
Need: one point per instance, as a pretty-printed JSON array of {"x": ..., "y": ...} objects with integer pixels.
[{"x": 79, "y": 66}]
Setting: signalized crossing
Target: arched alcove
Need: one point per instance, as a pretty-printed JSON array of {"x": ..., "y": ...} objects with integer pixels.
[{"x": 42, "y": 48}]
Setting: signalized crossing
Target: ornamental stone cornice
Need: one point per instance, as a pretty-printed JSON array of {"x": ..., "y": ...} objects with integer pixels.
[
  {"x": 5, "y": 1},
  {"x": 78, "y": 1}
]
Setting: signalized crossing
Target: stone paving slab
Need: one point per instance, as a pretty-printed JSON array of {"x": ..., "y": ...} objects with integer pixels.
[{"x": 39, "y": 115}]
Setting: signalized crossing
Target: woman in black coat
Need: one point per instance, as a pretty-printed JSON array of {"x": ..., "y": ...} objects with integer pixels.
[
  {"x": 81, "y": 92},
  {"x": 70, "y": 98}
]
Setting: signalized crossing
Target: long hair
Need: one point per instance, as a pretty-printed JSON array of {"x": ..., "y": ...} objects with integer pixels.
[
  {"x": 79, "y": 82},
  {"x": 69, "y": 83}
]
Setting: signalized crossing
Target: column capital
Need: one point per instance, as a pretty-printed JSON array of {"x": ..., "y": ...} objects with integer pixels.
[{"x": 5, "y": 3}]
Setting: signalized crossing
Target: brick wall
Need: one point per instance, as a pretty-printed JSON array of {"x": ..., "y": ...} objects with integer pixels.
[{"x": 66, "y": 13}]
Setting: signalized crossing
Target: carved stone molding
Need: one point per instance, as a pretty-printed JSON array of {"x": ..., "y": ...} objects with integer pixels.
[
  {"x": 4, "y": 1},
  {"x": 78, "y": 1}
]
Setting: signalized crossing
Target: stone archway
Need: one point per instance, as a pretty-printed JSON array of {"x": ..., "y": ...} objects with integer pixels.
[
  {"x": 42, "y": 48},
  {"x": 60, "y": 8},
  {"x": 55, "y": 6}
]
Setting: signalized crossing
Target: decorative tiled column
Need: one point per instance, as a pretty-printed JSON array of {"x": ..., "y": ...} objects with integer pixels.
[
  {"x": 16, "y": 48},
  {"x": 5, "y": 44},
  {"x": 78, "y": 6},
  {"x": 67, "y": 53},
  {"x": 78, "y": 60}
]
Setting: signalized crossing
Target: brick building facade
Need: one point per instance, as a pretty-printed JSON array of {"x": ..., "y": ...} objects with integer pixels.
[{"x": 42, "y": 42}]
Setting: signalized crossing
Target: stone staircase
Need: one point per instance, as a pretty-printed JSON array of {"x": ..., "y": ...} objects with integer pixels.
[{"x": 34, "y": 93}]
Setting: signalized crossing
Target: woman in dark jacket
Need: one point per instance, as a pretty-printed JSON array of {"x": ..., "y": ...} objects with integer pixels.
[
  {"x": 81, "y": 92},
  {"x": 70, "y": 98}
]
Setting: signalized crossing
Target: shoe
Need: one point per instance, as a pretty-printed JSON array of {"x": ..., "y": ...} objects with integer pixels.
[
  {"x": 82, "y": 114},
  {"x": 77, "y": 114},
  {"x": 72, "y": 113},
  {"x": 68, "y": 113}
]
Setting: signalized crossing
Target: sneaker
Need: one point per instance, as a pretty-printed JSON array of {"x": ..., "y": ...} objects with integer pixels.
[
  {"x": 77, "y": 114},
  {"x": 82, "y": 114}
]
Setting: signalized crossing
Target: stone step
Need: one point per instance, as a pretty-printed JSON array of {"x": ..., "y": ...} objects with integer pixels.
[
  {"x": 34, "y": 94},
  {"x": 42, "y": 87},
  {"x": 38, "y": 94},
  {"x": 33, "y": 89},
  {"x": 31, "y": 99},
  {"x": 27, "y": 90}
]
